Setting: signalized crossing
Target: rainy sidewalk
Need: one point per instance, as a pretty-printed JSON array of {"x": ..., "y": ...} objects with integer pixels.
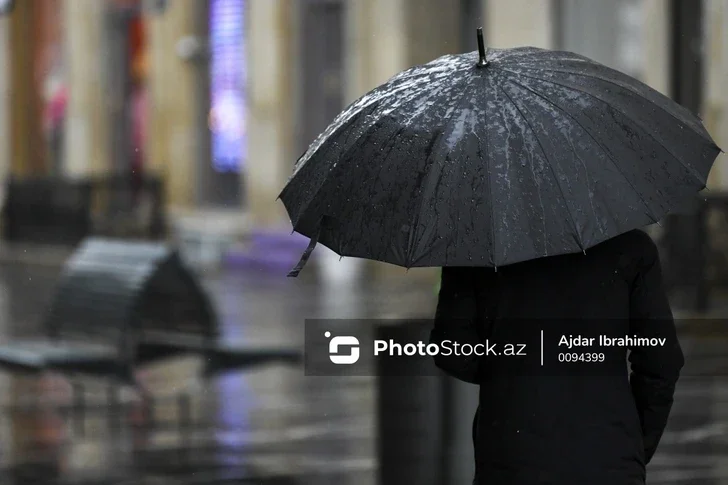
[
  {"x": 275, "y": 423},
  {"x": 272, "y": 422}
]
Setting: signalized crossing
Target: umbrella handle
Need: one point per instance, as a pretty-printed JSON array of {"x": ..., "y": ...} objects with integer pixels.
[{"x": 481, "y": 49}]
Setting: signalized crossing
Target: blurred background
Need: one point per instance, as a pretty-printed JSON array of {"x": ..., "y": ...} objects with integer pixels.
[{"x": 179, "y": 121}]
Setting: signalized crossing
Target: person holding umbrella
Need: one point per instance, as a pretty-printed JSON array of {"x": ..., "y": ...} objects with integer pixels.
[
  {"x": 591, "y": 429},
  {"x": 525, "y": 174}
]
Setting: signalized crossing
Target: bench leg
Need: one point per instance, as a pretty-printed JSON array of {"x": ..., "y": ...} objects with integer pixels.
[
  {"x": 149, "y": 408},
  {"x": 114, "y": 405},
  {"x": 141, "y": 418},
  {"x": 184, "y": 422},
  {"x": 79, "y": 408}
]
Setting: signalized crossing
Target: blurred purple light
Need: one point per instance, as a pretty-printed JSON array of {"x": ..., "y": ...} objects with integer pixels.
[{"x": 228, "y": 83}]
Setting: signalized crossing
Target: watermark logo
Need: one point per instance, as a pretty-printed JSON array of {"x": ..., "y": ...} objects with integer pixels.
[
  {"x": 339, "y": 345},
  {"x": 521, "y": 347}
]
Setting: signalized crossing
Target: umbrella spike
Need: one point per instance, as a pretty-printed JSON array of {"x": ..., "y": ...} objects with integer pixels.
[{"x": 481, "y": 49}]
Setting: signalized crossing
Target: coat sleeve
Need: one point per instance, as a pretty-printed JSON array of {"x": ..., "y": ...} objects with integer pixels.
[
  {"x": 456, "y": 323},
  {"x": 654, "y": 370}
]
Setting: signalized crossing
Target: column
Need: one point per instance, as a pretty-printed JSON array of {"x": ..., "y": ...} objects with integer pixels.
[
  {"x": 514, "y": 23},
  {"x": 27, "y": 149},
  {"x": 5, "y": 154},
  {"x": 433, "y": 29},
  {"x": 716, "y": 100},
  {"x": 376, "y": 44},
  {"x": 5, "y": 103},
  {"x": 21, "y": 153},
  {"x": 656, "y": 41},
  {"x": 270, "y": 130},
  {"x": 174, "y": 83},
  {"x": 87, "y": 148}
]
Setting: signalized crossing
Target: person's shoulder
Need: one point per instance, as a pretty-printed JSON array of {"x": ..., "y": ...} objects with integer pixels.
[
  {"x": 637, "y": 243},
  {"x": 466, "y": 271},
  {"x": 469, "y": 274},
  {"x": 638, "y": 237}
]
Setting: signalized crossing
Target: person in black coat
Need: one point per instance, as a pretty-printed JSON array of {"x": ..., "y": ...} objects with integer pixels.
[{"x": 566, "y": 426}]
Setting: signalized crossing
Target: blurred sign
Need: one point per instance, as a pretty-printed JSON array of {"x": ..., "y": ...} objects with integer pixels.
[
  {"x": 6, "y": 6},
  {"x": 228, "y": 73}
]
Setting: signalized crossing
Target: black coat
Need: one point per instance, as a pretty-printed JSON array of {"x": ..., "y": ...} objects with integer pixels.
[{"x": 580, "y": 429}]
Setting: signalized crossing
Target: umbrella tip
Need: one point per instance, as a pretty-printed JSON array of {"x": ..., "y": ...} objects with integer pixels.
[{"x": 481, "y": 49}]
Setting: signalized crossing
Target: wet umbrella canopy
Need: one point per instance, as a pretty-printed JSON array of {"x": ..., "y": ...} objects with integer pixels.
[{"x": 497, "y": 157}]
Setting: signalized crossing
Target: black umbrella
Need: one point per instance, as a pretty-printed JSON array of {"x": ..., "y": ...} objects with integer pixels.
[{"x": 493, "y": 158}]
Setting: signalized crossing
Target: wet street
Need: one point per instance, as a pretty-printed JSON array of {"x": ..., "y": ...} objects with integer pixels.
[{"x": 274, "y": 423}]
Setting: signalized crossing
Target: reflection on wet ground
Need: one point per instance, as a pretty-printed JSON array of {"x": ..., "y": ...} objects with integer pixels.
[{"x": 273, "y": 422}]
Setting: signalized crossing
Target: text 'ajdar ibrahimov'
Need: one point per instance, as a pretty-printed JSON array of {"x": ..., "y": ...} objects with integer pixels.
[{"x": 628, "y": 341}]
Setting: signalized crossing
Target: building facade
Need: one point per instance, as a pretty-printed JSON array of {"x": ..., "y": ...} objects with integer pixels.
[{"x": 192, "y": 83}]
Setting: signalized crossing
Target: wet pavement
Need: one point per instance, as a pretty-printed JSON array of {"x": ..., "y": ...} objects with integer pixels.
[{"x": 275, "y": 422}]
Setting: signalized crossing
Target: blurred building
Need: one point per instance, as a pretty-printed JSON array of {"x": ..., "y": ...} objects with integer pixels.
[{"x": 219, "y": 97}]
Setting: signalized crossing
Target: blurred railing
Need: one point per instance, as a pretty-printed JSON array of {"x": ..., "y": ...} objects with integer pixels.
[{"x": 55, "y": 211}]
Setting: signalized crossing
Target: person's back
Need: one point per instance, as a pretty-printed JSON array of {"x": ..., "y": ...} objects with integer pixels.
[{"x": 557, "y": 426}]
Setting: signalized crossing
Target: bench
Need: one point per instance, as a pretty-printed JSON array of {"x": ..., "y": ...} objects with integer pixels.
[
  {"x": 47, "y": 210},
  {"x": 86, "y": 327},
  {"x": 120, "y": 306},
  {"x": 58, "y": 211},
  {"x": 128, "y": 206},
  {"x": 147, "y": 290}
]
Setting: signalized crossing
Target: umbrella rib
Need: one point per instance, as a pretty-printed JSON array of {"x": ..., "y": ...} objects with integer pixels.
[
  {"x": 490, "y": 186},
  {"x": 545, "y": 154},
  {"x": 302, "y": 211},
  {"x": 626, "y": 87},
  {"x": 371, "y": 100},
  {"x": 606, "y": 152},
  {"x": 692, "y": 170},
  {"x": 418, "y": 214}
]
